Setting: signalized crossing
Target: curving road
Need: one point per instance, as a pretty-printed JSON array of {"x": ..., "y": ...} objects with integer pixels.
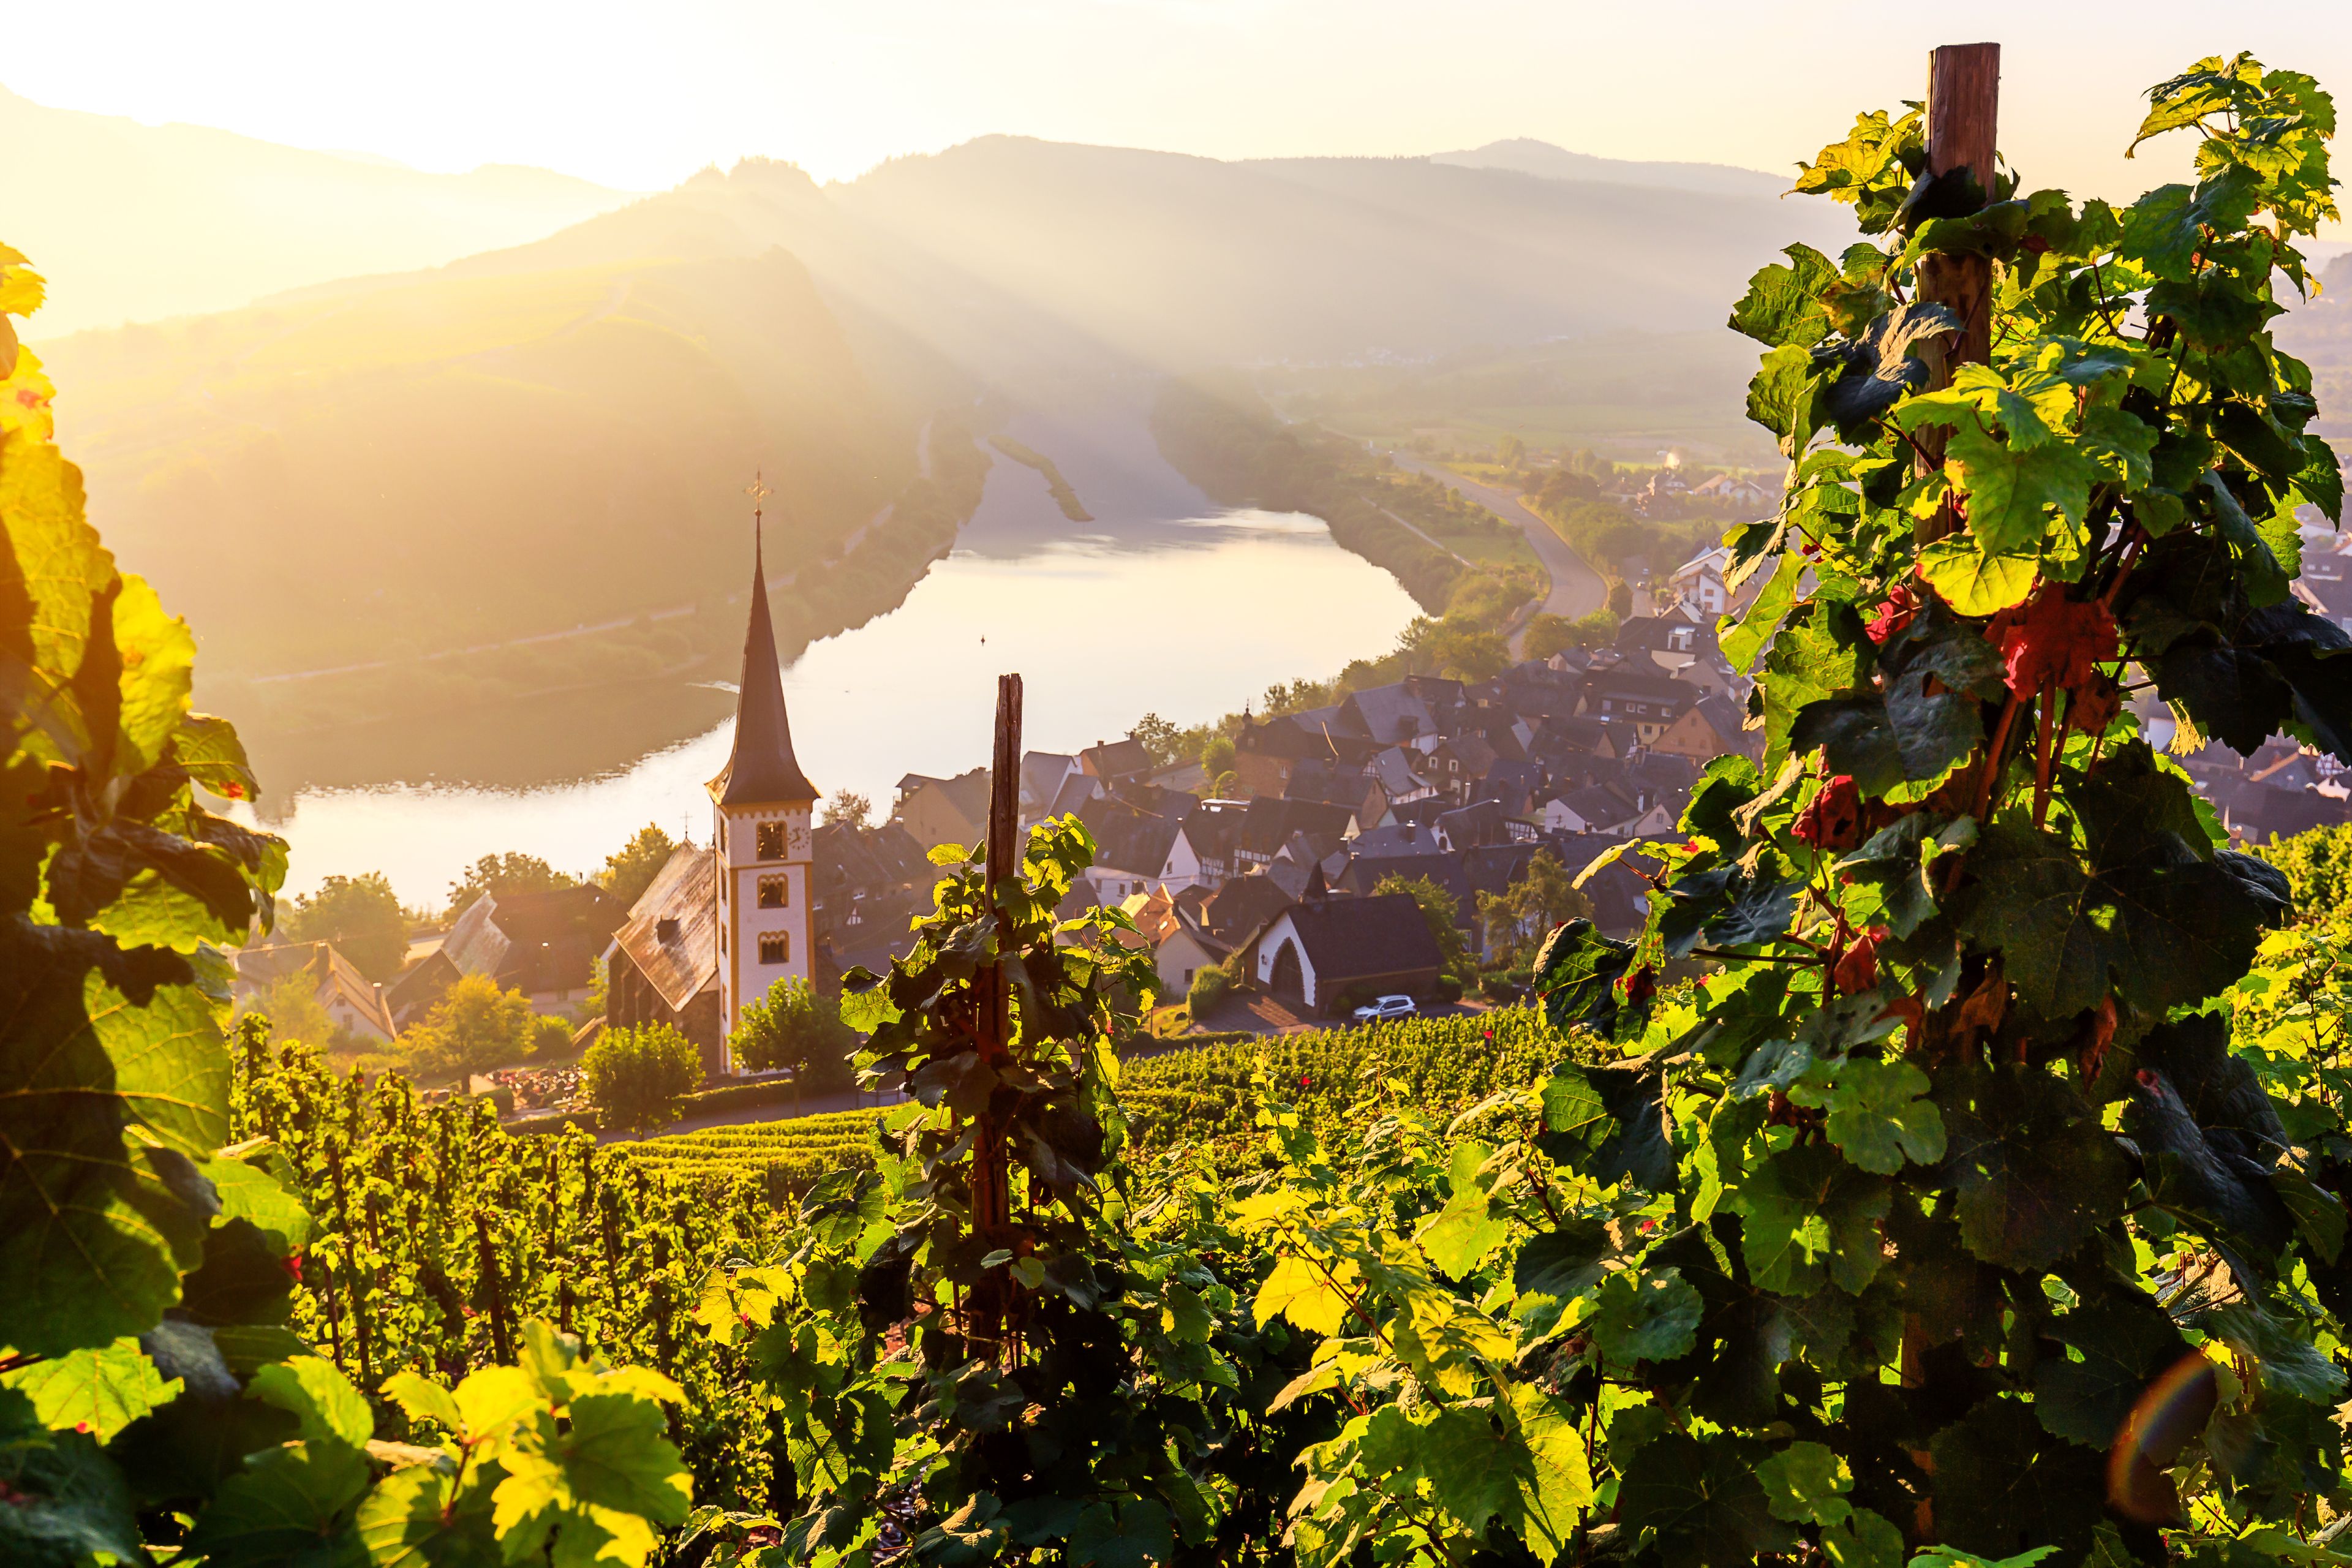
[{"x": 1577, "y": 589}]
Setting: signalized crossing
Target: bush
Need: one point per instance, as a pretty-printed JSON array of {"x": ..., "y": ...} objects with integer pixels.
[
  {"x": 551, "y": 1037},
  {"x": 474, "y": 1027},
  {"x": 1449, "y": 988},
  {"x": 636, "y": 1078},
  {"x": 796, "y": 1026},
  {"x": 1209, "y": 988}
]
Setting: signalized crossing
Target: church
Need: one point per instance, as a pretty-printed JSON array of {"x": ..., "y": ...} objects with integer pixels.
[{"x": 722, "y": 923}]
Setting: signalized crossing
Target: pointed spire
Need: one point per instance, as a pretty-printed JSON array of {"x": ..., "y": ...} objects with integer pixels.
[{"x": 761, "y": 770}]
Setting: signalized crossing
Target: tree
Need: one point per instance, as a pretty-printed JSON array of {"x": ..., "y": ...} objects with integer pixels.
[
  {"x": 1542, "y": 898},
  {"x": 291, "y": 1006},
  {"x": 847, "y": 808},
  {"x": 796, "y": 1026},
  {"x": 1546, "y": 635},
  {"x": 630, "y": 869},
  {"x": 1510, "y": 452},
  {"x": 1164, "y": 740},
  {"x": 499, "y": 875},
  {"x": 474, "y": 1027},
  {"x": 1621, "y": 599},
  {"x": 1443, "y": 913},
  {"x": 1217, "y": 756},
  {"x": 362, "y": 916},
  {"x": 636, "y": 1077}
]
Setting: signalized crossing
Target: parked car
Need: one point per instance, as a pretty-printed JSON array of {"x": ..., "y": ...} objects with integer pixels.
[{"x": 1387, "y": 1007}]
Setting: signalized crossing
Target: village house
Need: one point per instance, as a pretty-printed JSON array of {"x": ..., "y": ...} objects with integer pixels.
[
  {"x": 1648, "y": 703},
  {"x": 1117, "y": 761},
  {"x": 943, "y": 811},
  {"x": 1319, "y": 952},
  {"x": 351, "y": 1002}
]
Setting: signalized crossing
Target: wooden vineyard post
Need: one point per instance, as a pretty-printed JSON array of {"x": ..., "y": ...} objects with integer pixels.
[
  {"x": 992, "y": 1199},
  {"x": 1963, "y": 107}
]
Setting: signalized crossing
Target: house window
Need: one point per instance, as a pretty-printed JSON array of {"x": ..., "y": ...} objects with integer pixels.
[
  {"x": 772, "y": 841},
  {"x": 1188, "y": 977},
  {"x": 775, "y": 892},
  {"x": 775, "y": 947}
]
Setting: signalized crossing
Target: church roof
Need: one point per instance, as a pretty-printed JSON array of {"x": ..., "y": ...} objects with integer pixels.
[
  {"x": 762, "y": 768},
  {"x": 672, "y": 932}
]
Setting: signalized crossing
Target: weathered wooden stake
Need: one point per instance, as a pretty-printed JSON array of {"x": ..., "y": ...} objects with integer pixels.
[
  {"x": 992, "y": 1197},
  {"x": 1963, "y": 110}
]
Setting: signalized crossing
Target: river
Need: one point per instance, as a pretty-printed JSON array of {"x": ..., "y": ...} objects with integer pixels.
[{"x": 1165, "y": 602}]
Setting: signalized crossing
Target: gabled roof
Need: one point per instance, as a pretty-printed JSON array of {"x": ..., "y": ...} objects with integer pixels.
[
  {"x": 1117, "y": 759},
  {"x": 967, "y": 792},
  {"x": 684, "y": 891},
  {"x": 1244, "y": 904},
  {"x": 1394, "y": 772},
  {"x": 1132, "y": 842},
  {"x": 1270, "y": 822},
  {"x": 1391, "y": 713},
  {"x": 475, "y": 943},
  {"x": 1481, "y": 822},
  {"x": 761, "y": 768},
  {"x": 1366, "y": 938},
  {"x": 1385, "y": 843},
  {"x": 1043, "y": 774}
]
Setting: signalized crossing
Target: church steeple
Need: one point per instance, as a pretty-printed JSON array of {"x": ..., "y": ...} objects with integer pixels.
[{"x": 761, "y": 769}]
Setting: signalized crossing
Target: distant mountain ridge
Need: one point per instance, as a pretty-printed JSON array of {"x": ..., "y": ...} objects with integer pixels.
[
  {"x": 1524, "y": 155},
  {"x": 93, "y": 197}
]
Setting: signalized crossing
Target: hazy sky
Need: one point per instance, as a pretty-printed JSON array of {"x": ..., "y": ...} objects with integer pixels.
[{"x": 640, "y": 95}]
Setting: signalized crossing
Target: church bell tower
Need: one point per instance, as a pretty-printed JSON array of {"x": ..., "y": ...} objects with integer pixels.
[{"x": 761, "y": 804}]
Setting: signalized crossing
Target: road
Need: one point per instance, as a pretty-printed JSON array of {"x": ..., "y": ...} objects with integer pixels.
[{"x": 1577, "y": 589}]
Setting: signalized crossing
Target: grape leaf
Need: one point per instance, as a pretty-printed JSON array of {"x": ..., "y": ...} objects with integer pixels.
[
  {"x": 1645, "y": 1315},
  {"x": 1878, "y": 1116},
  {"x": 98, "y": 1390},
  {"x": 319, "y": 1396},
  {"x": 66, "y": 1501},
  {"x": 290, "y": 1504},
  {"x": 1702, "y": 1502},
  {"x": 99, "y": 1230},
  {"x": 2124, "y": 1342},
  {"x": 2034, "y": 1170},
  {"x": 1782, "y": 304},
  {"x": 1809, "y": 1218},
  {"x": 418, "y": 1518},
  {"x": 2143, "y": 911}
]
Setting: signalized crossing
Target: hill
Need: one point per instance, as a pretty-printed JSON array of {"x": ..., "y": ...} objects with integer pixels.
[
  {"x": 452, "y": 461},
  {"x": 468, "y": 464},
  {"x": 238, "y": 218},
  {"x": 1526, "y": 155}
]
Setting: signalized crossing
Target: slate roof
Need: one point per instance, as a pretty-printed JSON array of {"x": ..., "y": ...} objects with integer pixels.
[
  {"x": 1391, "y": 713},
  {"x": 1132, "y": 842},
  {"x": 1117, "y": 759},
  {"x": 686, "y": 890},
  {"x": 1396, "y": 838},
  {"x": 1269, "y": 822},
  {"x": 1367, "y": 938},
  {"x": 1244, "y": 904},
  {"x": 1481, "y": 822},
  {"x": 761, "y": 768}
]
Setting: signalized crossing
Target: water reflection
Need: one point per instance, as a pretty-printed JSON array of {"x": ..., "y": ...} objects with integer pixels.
[{"x": 1184, "y": 617}]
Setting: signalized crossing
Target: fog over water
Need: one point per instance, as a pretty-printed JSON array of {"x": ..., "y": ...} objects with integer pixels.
[{"x": 1165, "y": 602}]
